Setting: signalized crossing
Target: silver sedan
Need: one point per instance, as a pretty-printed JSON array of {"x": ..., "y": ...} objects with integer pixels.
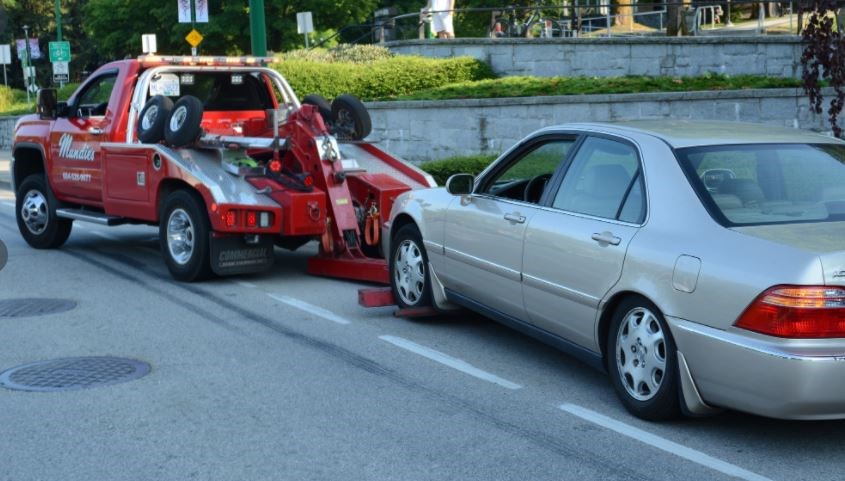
[{"x": 701, "y": 265}]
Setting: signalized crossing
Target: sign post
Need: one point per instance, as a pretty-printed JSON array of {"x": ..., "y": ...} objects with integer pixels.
[
  {"x": 5, "y": 59},
  {"x": 60, "y": 56}
]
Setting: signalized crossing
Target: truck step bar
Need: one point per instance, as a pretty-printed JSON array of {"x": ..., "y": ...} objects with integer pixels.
[{"x": 91, "y": 216}]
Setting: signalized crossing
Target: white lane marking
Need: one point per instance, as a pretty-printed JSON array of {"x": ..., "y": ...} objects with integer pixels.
[
  {"x": 248, "y": 285},
  {"x": 450, "y": 361},
  {"x": 662, "y": 443},
  {"x": 310, "y": 308}
]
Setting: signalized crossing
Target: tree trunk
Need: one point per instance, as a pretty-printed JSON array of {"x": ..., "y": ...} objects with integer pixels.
[{"x": 675, "y": 25}]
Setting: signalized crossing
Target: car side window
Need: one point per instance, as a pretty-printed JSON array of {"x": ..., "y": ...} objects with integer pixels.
[
  {"x": 604, "y": 180},
  {"x": 527, "y": 177},
  {"x": 94, "y": 100}
]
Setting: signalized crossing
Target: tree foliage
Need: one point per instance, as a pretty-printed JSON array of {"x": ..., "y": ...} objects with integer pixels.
[{"x": 823, "y": 58}]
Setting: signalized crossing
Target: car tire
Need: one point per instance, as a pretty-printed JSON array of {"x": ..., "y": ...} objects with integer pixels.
[
  {"x": 323, "y": 106},
  {"x": 35, "y": 212},
  {"x": 642, "y": 361},
  {"x": 350, "y": 118},
  {"x": 184, "y": 234},
  {"x": 183, "y": 126},
  {"x": 153, "y": 116},
  {"x": 408, "y": 269}
]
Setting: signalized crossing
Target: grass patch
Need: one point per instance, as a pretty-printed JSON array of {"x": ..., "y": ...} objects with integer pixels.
[
  {"x": 444, "y": 168},
  {"x": 536, "y": 86}
]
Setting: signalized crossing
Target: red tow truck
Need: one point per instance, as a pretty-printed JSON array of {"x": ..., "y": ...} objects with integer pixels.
[{"x": 221, "y": 155}]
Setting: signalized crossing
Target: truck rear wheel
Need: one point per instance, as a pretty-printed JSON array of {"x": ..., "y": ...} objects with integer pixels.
[
  {"x": 183, "y": 125},
  {"x": 350, "y": 118},
  {"x": 184, "y": 230},
  {"x": 152, "y": 119},
  {"x": 35, "y": 210}
]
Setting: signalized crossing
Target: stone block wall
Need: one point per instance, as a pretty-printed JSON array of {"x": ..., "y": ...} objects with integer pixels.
[{"x": 618, "y": 56}]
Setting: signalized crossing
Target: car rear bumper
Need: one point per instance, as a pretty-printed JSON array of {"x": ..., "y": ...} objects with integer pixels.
[{"x": 779, "y": 378}]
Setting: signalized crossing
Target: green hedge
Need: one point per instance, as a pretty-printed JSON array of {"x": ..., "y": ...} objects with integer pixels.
[
  {"x": 341, "y": 53},
  {"x": 383, "y": 78},
  {"x": 443, "y": 169}
]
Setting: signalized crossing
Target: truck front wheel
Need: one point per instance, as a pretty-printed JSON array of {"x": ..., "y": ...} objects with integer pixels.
[
  {"x": 184, "y": 231},
  {"x": 35, "y": 210}
]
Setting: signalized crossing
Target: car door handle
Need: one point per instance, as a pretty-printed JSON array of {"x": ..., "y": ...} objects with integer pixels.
[
  {"x": 514, "y": 217},
  {"x": 606, "y": 238},
  {"x": 95, "y": 131}
]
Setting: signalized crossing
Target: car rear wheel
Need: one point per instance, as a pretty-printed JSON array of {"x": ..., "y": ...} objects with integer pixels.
[
  {"x": 409, "y": 269},
  {"x": 152, "y": 119},
  {"x": 642, "y": 361},
  {"x": 35, "y": 212},
  {"x": 184, "y": 231}
]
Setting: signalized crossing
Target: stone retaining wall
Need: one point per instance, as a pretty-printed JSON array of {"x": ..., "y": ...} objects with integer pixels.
[
  {"x": 616, "y": 56},
  {"x": 428, "y": 130}
]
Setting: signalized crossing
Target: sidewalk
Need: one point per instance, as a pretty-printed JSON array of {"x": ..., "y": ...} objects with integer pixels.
[{"x": 5, "y": 177}]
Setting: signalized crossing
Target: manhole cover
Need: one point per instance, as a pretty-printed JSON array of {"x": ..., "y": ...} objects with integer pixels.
[
  {"x": 73, "y": 373},
  {"x": 33, "y": 307}
]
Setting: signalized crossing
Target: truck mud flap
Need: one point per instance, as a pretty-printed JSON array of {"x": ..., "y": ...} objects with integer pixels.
[{"x": 231, "y": 255}]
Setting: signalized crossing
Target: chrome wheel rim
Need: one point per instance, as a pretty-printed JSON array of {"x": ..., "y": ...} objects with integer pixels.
[
  {"x": 409, "y": 272},
  {"x": 35, "y": 212},
  {"x": 178, "y": 118},
  {"x": 149, "y": 117},
  {"x": 180, "y": 236},
  {"x": 641, "y": 354}
]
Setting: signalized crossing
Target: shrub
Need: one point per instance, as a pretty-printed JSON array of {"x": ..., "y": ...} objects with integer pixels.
[
  {"x": 8, "y": 97},
  {"x": 445, "y": 168},
  {"x": 341, "y": 53},
  {"x": 65, "y": 92},
  {"x": 383, "y": 78}
]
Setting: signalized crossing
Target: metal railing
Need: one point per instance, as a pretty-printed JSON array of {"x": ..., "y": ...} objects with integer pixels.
[{"x": 602, "y": 18}]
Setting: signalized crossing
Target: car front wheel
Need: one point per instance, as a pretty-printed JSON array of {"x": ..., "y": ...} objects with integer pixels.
[
  {"x": 36, "y": 215},
  {"x": 409, "y": 269},
  {"x": 642, "y": 362}
]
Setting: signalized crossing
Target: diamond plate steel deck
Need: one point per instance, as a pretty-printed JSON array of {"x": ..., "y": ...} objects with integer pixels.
[
  {"x": 72, "y": 374},
  {"x": 34, "y": 307}
]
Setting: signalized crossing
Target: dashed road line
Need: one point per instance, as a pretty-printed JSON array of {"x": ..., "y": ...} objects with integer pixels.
[
  {"x": 450, "y": 361},
  {"x": 248, "y": 285},
  {"x": 310, "y": 308},
  {"x": 661, "y": 443}
]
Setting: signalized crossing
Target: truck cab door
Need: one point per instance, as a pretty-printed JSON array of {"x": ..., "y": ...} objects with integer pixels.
[{"x": 76, "y": 170}]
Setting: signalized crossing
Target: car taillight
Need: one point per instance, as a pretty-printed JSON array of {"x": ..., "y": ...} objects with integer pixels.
[
  {"x": 231, "y": 218},
  {"x": 275, "y": 166},
  {"x": 251, "y": 218},
  {"x": 809, "y": 312}
]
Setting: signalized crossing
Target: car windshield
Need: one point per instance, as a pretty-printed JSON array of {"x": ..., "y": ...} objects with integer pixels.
[{"x": 769, "y": 183}]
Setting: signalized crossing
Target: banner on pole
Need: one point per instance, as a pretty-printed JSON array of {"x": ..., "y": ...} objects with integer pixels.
[
  {"x": 201, "y": 10},
  {"x": 184, "y": 11},
  {"x": 34, "y": 51}
]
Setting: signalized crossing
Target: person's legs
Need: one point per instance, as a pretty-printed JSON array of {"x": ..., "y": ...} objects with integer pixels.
[{"x": 438, "y": 24}]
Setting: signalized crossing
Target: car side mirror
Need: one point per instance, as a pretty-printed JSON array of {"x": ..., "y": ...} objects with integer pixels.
[
  {"x": 460, "y": 184},
  {"x": 47, "y": 104}
]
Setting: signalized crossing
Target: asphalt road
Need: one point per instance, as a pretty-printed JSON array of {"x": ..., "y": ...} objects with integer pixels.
[{"x": 283, "y": 376}]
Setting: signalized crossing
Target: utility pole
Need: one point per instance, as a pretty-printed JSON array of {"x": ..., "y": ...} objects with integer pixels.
[
  {"x": 58, "y": 20},
  {"x": 258, "y": 28}
]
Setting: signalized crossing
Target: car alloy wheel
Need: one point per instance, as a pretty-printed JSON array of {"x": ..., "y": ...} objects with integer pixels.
[
  {"x": 35, "y": 212},
  {"x": 641, "y": 354},
  {"x": 409, "y": 272}
]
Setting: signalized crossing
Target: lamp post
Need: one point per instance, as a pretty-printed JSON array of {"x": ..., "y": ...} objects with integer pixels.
[{"x": 257, "y": 28}]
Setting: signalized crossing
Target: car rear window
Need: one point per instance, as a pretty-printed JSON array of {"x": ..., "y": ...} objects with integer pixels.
[{"x": 768, "y": 183}]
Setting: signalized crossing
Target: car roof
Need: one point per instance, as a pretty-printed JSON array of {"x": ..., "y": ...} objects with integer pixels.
[{"x": 694, "y": 133}]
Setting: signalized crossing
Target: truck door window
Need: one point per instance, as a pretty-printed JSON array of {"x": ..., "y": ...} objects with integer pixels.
[{"x": 94, "y": 100}]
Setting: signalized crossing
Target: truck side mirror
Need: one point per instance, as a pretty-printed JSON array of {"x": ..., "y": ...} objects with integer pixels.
[
  {"x": 460, "y": 184},
  {"x": 47, "y": 104}
]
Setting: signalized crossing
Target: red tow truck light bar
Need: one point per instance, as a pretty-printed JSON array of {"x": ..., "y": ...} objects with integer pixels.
[{"x": 153, "y": 60}]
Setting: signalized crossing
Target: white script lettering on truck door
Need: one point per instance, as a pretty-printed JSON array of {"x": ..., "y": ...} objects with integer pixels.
[{"x": 67, "y": 151}]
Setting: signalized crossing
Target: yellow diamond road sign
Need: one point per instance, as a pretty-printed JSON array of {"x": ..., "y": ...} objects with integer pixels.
[{"x": 194, "y": 38}]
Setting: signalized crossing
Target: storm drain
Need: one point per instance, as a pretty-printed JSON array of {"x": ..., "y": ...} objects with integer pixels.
[
  {"x": 73, "y": 373},
  {"x": 33, "y": 307}
]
